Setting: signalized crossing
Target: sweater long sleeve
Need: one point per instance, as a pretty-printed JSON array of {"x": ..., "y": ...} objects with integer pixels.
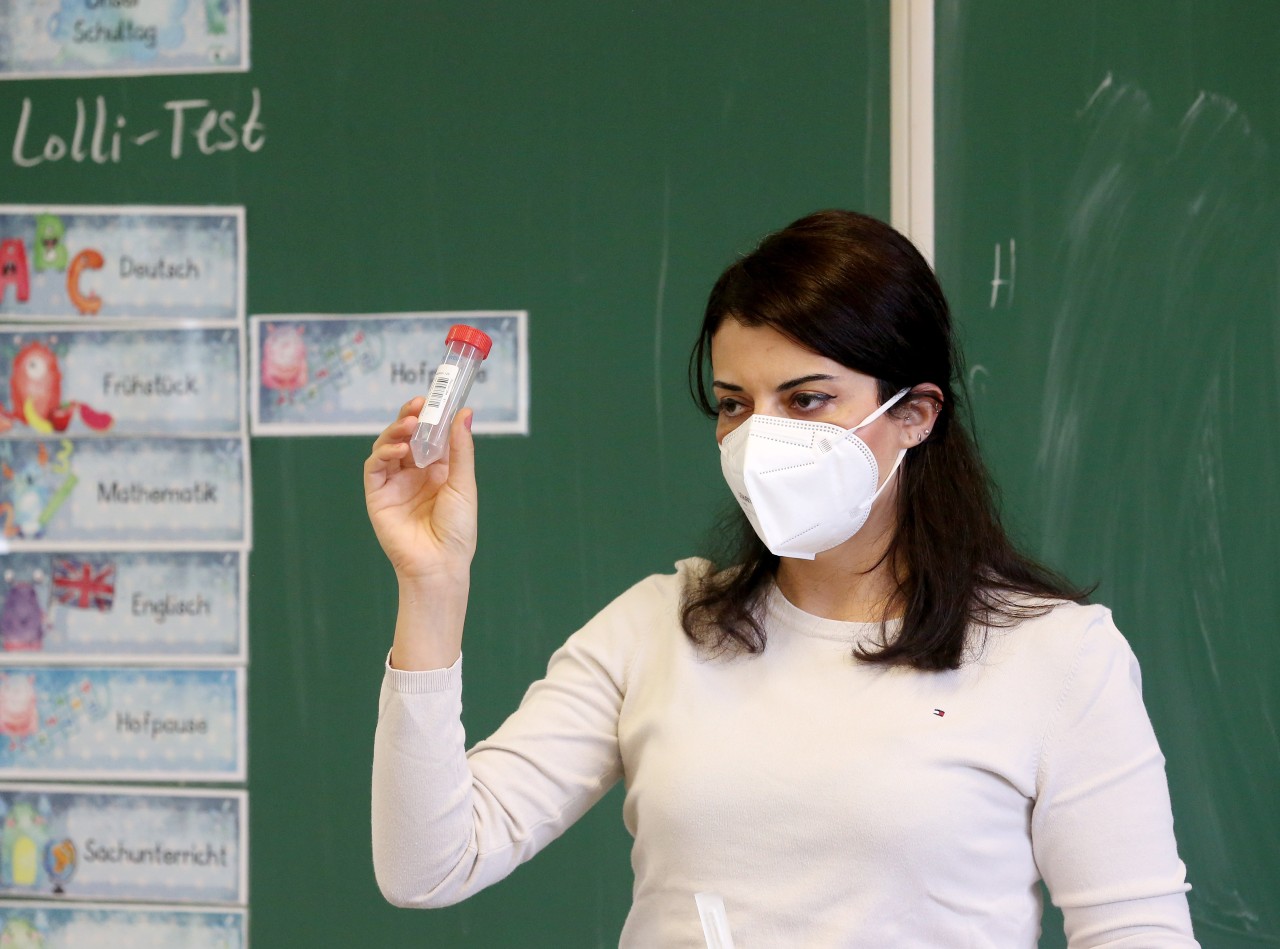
[
  {"x": 447, "y": 823},
  {"x": 1102, "y": 824},
  {"x": 829, "y": 802}
]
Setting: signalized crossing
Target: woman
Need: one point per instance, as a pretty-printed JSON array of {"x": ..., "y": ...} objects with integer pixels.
[{"x": 881, "y": 726}]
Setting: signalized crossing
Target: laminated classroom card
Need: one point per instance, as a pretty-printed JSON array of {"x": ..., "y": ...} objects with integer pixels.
[
  {"x": 122, "y": 724},
  {"x": 349, "y": 375},
  {"x": 52, "y": 39},
  {"x": 51, "y": 925},
  {"x": 90, "y": 264},
  {"x": 140, "y": 381},
  {"x": 123, "y": 844},
  {"x": 121, "y": 607},
  {"x": 124, "y": 493}
]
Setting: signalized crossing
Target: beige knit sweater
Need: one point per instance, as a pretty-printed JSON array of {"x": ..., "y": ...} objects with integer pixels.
[{"x": 828, "y": 802}]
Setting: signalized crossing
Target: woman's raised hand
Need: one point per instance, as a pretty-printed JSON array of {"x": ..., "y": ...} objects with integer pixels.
[{"x": 425, "y": 518}]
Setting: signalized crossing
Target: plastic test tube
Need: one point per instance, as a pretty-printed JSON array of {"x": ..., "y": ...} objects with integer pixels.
[{"x": 465, "y": 348}]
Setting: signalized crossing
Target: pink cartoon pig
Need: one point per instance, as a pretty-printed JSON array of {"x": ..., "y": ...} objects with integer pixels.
[
  {"x": 284, "y": 358},
  {"x": 18, "y": 705}
]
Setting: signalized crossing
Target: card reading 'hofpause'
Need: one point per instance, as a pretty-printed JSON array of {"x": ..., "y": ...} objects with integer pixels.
[
  {"x": 349, "y": 375},
  {"x": 124, "y": 493},
  {"x": 115, "y": 843},
  {"x": 133, "y": 724},
  {"x": 123, "y": 607}
]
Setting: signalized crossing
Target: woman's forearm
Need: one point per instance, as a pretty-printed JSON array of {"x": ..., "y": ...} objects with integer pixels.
[{"x": 429, "y": 622}]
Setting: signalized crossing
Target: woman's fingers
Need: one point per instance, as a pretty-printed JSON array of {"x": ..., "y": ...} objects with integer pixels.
[
  {"x": 390, "y": 456},
  {"x": 389, "y": 450},
  {"x": 377, "y": 468},
  {"x": 412, "y": 407},
  {"x": 399, "y": 431},
  {"x": 401, "y": 427}
]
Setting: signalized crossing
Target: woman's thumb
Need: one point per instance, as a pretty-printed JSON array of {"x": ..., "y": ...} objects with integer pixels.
[{"x": 462, "y": 454}]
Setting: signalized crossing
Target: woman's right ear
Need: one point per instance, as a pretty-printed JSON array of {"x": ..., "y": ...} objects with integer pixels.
[{"x": 923, "y": 406}]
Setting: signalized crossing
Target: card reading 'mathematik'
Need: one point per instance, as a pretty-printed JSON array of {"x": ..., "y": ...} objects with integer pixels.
[{"x": 124, "y": 493}]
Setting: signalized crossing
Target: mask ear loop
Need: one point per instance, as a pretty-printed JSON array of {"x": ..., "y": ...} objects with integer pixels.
[
  {"x": 887, "y": 478},
  {"x": 888, "y": 404}
]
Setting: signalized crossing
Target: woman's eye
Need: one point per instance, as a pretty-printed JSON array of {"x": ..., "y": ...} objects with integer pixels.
[
  {"x": 730, "y": 407},
  {"x": 806, "y": 401}
]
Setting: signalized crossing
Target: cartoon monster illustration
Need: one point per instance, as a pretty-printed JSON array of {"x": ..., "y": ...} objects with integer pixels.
[
  {"x": 19, "y": 933},
  {"x": 51, "y": 250},
  {"x": 13, "y": 270},
  {"x": 215, "y": 14},
  {"x": 284, "y": 358},
  {"x": 87, "y": 303},
  {"x": 21, "y": 842},
  {"x": 36, "y": 383},
  {"x": 35, "y": 386},
  {"x": 18, "y": 717},
  {"x": 24, "y": 514},
  {"x": 22, "y": 617},
  {"x": 36, "y": 490}
]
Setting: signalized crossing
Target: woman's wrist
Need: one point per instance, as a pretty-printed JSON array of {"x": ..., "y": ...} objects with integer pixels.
[
  {"x": 442, "y": 583},
  {"x": 429, "y": 621}
]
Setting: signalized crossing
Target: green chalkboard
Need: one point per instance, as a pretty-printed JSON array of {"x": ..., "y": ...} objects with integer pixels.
[
  {"x": 594, "y": 163},
  {"x": 1124, "y": 376}
]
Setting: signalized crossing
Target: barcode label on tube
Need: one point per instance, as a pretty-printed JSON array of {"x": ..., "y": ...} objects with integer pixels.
[{"x": 436, "y": 396}]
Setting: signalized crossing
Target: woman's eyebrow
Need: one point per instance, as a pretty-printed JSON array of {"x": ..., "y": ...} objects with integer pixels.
[
  {"x": 814, "y": 377},
  {"x": 789, "y": 384}
]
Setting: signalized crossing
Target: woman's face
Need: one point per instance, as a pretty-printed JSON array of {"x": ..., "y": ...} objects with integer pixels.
[{"x": 757, "y": 370}]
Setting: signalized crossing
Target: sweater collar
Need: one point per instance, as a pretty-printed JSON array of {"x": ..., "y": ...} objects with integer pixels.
[{"x": 781, "y": 612}]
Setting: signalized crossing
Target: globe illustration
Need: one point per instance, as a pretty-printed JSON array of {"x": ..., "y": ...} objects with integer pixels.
[{"x": 60, "y": 862}]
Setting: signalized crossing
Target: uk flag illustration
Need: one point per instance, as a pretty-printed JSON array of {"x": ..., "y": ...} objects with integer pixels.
[{"x": 84, "y": 585}]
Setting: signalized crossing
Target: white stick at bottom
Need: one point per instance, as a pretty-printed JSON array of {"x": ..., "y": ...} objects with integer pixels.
[{"x": 715, "y": 921}]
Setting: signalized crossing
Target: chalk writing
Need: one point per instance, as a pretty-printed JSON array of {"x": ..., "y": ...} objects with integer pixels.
[
  {"x": 998, "y": 281},
  {"x": 105, "y": 136}
]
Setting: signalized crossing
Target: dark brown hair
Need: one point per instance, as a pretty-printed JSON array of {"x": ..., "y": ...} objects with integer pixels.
[{"x": 852, "y": 289}]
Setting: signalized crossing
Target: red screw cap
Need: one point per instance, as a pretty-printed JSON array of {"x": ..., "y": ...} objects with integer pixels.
[{"x": 469, "y": 334}]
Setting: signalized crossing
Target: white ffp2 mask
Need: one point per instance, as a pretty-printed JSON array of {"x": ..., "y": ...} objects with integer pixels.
[{"x": 805, "y": 486}]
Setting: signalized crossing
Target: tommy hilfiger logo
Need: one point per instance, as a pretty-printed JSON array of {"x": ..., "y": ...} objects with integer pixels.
[{"x": 939, "y": 712}]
